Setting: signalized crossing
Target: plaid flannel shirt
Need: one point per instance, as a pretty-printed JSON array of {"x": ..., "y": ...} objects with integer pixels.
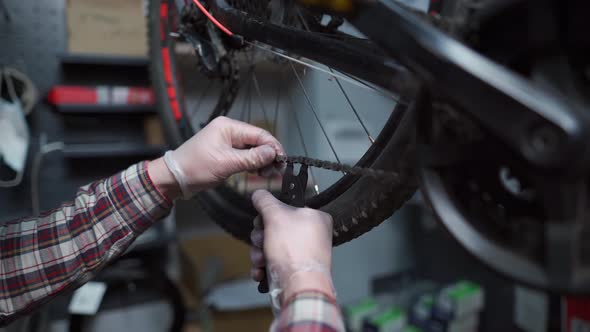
[
  {"x": 309, "y": 311},
  {"x": 42, "y": 257}
]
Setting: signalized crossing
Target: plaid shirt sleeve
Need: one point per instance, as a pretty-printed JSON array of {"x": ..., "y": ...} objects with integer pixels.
[
  {"x": 309, "y": 311},
  {"x": 64, "y": 248}
]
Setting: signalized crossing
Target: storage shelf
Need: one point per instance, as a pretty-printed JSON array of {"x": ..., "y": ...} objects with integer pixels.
[
  {"x": 106, "y": 150},
  {"x": 102, "y": 109},
  {"x": 103, "y": 59}
]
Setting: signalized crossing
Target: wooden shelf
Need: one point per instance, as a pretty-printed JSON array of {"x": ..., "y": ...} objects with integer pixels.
[{"x": 103, "y": 59}]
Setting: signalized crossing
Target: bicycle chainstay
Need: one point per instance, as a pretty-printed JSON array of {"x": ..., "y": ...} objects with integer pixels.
[{"x": 338, "y": 167}]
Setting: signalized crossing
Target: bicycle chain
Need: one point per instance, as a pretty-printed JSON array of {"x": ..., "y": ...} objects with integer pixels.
[{"x": 339, "y": 167}]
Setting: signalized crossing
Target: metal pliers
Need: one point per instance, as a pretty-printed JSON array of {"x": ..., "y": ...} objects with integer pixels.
[{"x": 292, "y": 193}]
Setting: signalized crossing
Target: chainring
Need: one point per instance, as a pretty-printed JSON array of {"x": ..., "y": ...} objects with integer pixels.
[{"x": 528, "y": 224}]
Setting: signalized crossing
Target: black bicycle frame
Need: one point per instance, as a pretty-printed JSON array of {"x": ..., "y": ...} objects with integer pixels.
[
  {"x": 541, "y": 126},
  {"x": 360, "y": 58}
]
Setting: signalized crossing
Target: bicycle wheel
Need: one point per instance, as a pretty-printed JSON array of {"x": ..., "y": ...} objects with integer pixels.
[{"x": 193, "y": 89}]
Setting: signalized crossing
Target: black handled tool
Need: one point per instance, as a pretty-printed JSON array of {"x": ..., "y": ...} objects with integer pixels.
[{"x": 292, "y": 193}]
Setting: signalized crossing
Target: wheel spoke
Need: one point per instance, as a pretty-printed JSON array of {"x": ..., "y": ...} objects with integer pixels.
[
  {"x": 247, "y": 174},
  {"x": 203, "y": 95},
  {"x": 342, "y": 77},
  {"x": 305, "y": 151},
  {"x": 379, "y": 90},
  {"x": 300, "y": 16},
  {"x": 275, "y": 120},
  {"x": 312, "y": 108},
  {"x": 249, "y": 114},
  {"x": 245, "y": 104},
  {"x": 261, "y": 100},
  {"x": 371, "y": 139}
]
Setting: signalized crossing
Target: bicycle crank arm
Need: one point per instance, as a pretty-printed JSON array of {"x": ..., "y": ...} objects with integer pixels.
[{"x": 541, "y": 126}]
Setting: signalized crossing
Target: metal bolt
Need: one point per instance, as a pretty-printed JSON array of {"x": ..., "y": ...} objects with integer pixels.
[{"x": 544, "y": 140}]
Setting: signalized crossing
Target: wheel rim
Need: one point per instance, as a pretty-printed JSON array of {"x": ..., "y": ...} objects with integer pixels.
[{"x": 180, "y": 102}]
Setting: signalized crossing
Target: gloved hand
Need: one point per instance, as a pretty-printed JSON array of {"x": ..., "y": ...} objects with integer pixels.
[
  {"x": 294, "y": 244},
  {"x": 224, "y": 147}
]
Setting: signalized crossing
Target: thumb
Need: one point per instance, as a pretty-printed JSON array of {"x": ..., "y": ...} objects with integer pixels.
[
  {"x": 265, "y": 203},
  {"x": 255, "y": 158}
]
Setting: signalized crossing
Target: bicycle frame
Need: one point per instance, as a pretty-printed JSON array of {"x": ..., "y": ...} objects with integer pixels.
[
  {"x": 542, "y": 129},
  {"x": 545, "y": 129},
  {"x": 363, "y": 61}
]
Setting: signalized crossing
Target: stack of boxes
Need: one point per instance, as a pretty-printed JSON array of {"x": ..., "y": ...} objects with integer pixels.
[
  {"x": 452, "y": 308},
  {"x": 455, "y": 308}
]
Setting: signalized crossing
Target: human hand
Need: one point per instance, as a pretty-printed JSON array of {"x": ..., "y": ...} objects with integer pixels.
[
  {"x": 224, "y": 147},
  {"x": 294, "y": 244}
]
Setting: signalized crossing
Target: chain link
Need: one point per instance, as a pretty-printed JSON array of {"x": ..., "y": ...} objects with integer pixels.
[{"x": 338, "y": 167}]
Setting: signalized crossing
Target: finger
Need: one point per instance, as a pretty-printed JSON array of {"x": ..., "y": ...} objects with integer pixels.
[
  {"x": 268, "y": 171},
  {"x": 256, "y": 158},
  {"x": 264, "y": 202},
  {"x": 244, "y": 134},
  {"x": 280, "y": 167},
  {"x": 257, "y": 274},
  {"x": 258, "y": 223},
  {"x": 276, "y": 168},
  {"x": 257, "y": 238},
  {"x": 257, "y": 257}
]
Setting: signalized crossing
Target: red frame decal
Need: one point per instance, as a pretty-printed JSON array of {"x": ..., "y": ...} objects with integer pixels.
[{"x": 167, "y": 64}]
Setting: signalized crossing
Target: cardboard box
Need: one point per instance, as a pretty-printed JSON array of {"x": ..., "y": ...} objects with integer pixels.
[
  {"x": 232, "y": 255},
  {"x": 109, "y": 27},
  {"x": 154, "y": 134},
  {"x": 234, "y": 258},
  {"x": 244, "y": 321},
  {"x": 254, "y": 320}
]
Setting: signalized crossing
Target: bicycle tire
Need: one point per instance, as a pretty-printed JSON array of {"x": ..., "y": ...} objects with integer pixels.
[{"x": 356, "y": 203}]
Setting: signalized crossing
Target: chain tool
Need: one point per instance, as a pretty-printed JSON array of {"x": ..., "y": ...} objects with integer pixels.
[
  {"x": 294, "y": 186},
  {"x": 338, "y": 167},
  {"x": 292, "y": 193}
]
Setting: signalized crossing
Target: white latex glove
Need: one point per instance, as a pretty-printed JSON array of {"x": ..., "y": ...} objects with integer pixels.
[
  {"x": 224, "y": 147},
  {"x": 294, "y": 244}
]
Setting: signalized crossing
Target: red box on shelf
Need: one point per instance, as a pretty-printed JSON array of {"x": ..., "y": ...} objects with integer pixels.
[{"x": 102, "y": 99}]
